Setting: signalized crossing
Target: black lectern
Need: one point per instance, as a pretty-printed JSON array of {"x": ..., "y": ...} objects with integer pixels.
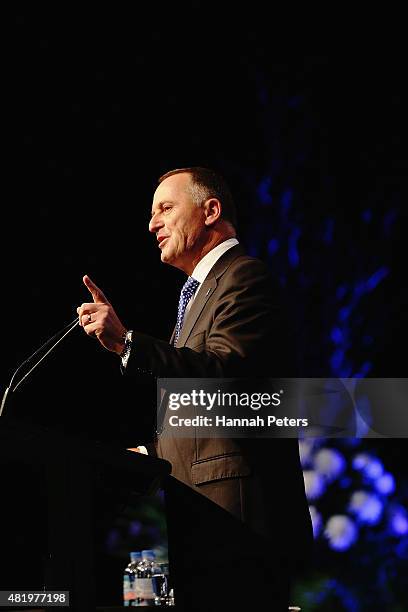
[{"x": 53, "y": 488}]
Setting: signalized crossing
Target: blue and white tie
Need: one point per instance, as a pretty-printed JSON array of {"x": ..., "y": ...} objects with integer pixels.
[{"x": 186, "y": 294}]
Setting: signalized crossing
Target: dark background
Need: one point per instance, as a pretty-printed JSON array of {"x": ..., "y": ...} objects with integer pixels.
[{"x": 99, "y": 104}]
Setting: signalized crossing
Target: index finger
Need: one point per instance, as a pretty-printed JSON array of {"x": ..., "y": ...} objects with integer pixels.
[{"x": 98, "y": 295}]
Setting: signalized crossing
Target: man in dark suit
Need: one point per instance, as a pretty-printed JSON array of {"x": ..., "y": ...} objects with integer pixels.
[{"x": 230, "y": 323}]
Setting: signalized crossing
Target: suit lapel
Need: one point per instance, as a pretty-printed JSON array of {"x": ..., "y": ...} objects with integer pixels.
[{"x": 205, "y": 292}]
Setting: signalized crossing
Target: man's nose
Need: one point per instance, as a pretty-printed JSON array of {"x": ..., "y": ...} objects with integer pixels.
[{"x": 155, "y": 224}]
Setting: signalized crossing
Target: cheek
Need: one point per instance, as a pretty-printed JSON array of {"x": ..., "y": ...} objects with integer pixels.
[
  {"x": 180, "y": 237},
  {"x": 184, "y": 235}
]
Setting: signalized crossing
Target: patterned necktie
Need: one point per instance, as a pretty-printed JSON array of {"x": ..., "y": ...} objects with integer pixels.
[{"x": 186, "y": 294}]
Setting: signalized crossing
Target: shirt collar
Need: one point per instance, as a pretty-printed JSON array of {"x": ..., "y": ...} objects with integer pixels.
[{"x": 207, "y": 262}]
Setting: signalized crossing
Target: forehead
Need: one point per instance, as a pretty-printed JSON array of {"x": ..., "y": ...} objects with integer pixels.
[{"x": 174, "y": 188}]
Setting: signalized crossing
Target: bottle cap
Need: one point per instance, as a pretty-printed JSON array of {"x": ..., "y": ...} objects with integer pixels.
[{"x": 148, "y": 554}]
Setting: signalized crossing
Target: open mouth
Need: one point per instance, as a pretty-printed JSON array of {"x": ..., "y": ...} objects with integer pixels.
[{"x": 161, "y": 243}]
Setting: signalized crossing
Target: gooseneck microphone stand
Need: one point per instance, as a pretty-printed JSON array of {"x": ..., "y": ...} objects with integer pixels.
[{"x": 12, "y": 385}]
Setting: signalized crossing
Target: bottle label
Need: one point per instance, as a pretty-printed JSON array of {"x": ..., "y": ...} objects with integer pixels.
[
  {"x": 136, "y": 588},
  {"x": 145, "y": 588},
  {"x": 128, "y": 592}
]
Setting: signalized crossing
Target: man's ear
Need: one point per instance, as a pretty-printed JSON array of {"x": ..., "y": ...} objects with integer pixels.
[{"x": 212, "y": 211}]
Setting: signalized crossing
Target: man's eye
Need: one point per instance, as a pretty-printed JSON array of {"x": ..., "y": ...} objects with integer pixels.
[{"x": 166, "y": 208}]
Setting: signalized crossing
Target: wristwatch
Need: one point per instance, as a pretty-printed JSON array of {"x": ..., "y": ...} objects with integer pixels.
[{"x": 127, "y": 348}]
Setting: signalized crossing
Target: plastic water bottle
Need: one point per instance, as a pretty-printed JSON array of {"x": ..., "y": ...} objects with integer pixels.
[
  {"x": 161, "y": 584},
  {"x": 129, "y": 578},
  {"x": 147, "y": 569},
  {"x": 170, "y": 598}
]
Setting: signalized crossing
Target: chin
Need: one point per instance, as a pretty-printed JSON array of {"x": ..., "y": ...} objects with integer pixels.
[{"x": 165, "y": 257}]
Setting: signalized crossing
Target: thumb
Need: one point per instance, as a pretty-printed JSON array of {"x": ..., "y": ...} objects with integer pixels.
[{"x": 97, "y": 294}]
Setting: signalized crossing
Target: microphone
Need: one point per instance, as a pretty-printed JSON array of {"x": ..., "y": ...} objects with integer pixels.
[{"x": 65, "y": 331}]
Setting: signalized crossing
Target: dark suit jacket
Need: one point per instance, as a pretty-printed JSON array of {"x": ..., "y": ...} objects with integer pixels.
[{"x": 235, "y": 328}]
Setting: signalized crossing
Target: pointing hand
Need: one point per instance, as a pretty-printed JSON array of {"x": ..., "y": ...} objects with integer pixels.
[{"x": 99, "y": 319}]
